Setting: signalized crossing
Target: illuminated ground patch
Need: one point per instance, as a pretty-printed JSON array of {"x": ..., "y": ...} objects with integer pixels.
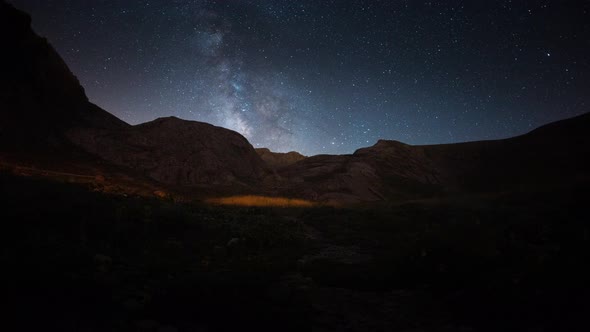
[{"x": 261, "y": 201}]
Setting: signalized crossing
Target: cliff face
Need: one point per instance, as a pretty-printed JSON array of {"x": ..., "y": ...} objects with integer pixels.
[{"x": 40, "y": 98}]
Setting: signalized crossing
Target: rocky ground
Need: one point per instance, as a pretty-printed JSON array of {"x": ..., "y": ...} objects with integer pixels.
[{"x": 80, "y": 260}]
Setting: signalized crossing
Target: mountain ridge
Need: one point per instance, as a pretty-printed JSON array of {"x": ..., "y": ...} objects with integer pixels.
[{"x": 47, "y": 110}]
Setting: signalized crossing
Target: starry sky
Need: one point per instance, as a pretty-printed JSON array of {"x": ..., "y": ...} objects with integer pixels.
[{"x": 329, "y": 76}]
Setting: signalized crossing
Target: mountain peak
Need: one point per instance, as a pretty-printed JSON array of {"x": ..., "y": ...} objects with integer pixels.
[
  {"x": 169, "y": 119},
  {"x": 387, "y": 143}
]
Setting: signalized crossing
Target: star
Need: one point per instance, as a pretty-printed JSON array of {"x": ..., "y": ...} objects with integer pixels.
[{"x": 296, "y": 75}]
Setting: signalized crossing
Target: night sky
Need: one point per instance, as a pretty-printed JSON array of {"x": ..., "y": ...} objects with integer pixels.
[{"x": 329, "y": 76}]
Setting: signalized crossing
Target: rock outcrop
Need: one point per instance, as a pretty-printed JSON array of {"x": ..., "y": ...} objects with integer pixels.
[
  {"x": 178, "y": 152},
  {"x": 386, "y": 170},
  {"x": 278, "y": 160}
]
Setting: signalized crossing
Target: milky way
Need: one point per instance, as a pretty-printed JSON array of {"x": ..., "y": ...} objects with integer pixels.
[
  {"x": 227, "y": 93},
  {"x": 329, "y": 76}
]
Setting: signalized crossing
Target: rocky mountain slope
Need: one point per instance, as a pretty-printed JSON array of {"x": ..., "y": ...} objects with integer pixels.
[
  {"x": 45, "y": 110},
  {"x": 548, "y": 156},
  {"x": 178, "y": 152}
]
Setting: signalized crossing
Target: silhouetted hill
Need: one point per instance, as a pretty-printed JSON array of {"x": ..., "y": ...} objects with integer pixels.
[{"x": 550, "y": 155}]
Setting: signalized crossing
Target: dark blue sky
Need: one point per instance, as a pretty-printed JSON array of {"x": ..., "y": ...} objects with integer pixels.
[{"x": 329, "y": 76}]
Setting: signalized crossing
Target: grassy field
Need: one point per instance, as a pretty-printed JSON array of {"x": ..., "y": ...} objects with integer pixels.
[{"x": 77, "y": 260}]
